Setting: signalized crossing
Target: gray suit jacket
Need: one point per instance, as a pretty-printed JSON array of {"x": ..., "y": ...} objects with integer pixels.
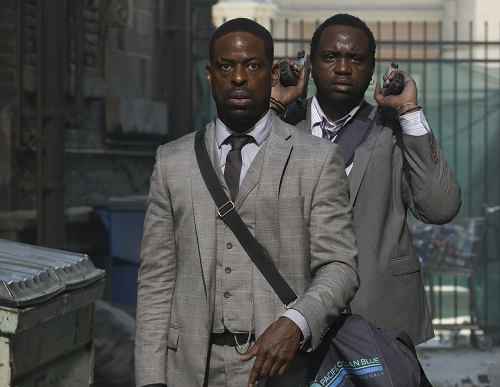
[
  {"x": 303, "y": 220},
  {"x": 393, "y": 172}
]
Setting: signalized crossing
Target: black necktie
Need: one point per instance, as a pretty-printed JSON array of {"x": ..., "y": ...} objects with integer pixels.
[{"x": 232, "y": 169}]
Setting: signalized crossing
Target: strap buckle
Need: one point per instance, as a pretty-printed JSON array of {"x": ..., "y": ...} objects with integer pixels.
[
  {"x": 224, "y": 209},
  {"x": 290, "y": 304}
]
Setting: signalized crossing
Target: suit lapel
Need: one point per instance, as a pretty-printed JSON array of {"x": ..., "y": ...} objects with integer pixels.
[
  {"x": 277, "y": 153},
  {"x": 204, "y": 210},
  {"x": 272, "y": 158},
  {"x": 251, "y": 178},
  {"x": 362, "y": 156}
]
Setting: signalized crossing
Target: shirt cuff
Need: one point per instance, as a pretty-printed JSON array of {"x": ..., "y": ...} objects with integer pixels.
[
  {"x": 301, "y": 322},
  {"x": 414, "y": 123}
]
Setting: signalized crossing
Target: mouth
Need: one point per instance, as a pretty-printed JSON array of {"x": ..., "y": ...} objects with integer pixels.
[
  {"x": 342, "y": 87},
  {"x": 239, "y": 98}
]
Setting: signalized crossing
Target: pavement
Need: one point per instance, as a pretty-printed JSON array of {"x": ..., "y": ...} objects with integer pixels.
[{"x": 459, "y": 364}]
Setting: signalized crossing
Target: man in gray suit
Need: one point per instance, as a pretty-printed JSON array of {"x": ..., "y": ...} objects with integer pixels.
[
  {"x": 206, "y": 316},
  {"x": 393, "y": 163}
]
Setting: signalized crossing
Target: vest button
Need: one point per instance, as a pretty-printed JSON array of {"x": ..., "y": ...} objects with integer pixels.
[
  {"x": 227, "y": 270},
  {"x": 227, "y": 295},
  {"x": 229, "y": 245}
]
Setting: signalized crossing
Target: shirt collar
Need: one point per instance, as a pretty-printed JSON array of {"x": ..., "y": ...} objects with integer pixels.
[
  {"x": 260, "y": 131},
  {"x": 318, "y": 116}
]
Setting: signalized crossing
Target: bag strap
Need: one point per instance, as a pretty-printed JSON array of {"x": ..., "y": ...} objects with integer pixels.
[
  {"x": 405, "y": 338},
  {"x": 227, "y": 212}
]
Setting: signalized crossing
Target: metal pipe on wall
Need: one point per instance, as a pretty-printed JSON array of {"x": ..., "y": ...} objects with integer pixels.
[
  {"x": 51, "y": 42},
  {"x": 78, "y": 118},
  {"x": 39, "y": 131},
  {"x": 19, "y": 71},
  {"x": 179, "y": 69}
]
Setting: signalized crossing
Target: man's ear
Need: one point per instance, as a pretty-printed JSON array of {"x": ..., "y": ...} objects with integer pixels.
[
  {"x": 275, "y": 77},
  {"x": 208, "y": 74}
]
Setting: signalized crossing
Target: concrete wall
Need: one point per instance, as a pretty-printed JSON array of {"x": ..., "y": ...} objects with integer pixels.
[
  {"x": 110, "y": 152},
  {"x": 116, "y": 109}
]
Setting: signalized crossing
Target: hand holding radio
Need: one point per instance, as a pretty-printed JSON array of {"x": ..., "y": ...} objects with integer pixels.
[
  {"x": 398, "y": 91},
  {"x": 288, "y": 77},
  {"x": 294, "y": 78}
]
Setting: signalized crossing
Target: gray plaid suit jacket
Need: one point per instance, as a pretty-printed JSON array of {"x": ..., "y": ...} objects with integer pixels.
[{"x": 303, "y": 220}]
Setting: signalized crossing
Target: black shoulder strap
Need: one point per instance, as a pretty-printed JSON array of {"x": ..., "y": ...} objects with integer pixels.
[{"x": 226, "y": 210}]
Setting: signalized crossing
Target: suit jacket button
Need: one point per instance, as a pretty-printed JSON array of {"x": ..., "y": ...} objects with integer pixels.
[
  {"x": 227, "y": 294},
  {"x": 227, "y": 270},
  {"x": 229, "y": 245}
]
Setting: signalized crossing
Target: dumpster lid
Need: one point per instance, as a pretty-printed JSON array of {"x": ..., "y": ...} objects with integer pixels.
[
  {"x": 24, "y": 284},
  {"x": 30, "y": 274}
]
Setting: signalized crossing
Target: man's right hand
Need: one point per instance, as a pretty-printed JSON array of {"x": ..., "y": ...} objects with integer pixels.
[
  {"x": 287, "y": 95},
  {"x": 273, "y": 350},
  {"x": 409, "y": 94}
]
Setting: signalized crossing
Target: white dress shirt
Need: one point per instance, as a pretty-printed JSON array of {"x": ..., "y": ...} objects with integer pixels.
[{"x": 413, "y": 124}]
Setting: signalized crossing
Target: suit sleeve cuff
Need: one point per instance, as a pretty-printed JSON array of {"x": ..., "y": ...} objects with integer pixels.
[{"x": 301, "y": 322}]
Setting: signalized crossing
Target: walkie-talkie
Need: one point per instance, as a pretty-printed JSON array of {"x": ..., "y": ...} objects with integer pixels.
[
  {"x": 289, "y": 78},
  {"x": 397, "y": 84},
  {"x": 287, "y": 75}
]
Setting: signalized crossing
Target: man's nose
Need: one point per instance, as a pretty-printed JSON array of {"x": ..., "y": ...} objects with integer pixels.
[
  {"x": 239, "y": 76},
  {"x": 343, "y": 66}
]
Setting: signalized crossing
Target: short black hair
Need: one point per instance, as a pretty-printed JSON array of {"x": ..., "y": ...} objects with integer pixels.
[
  {"x": 243, "y": 25},
  {"x": 343, "y": 19}
]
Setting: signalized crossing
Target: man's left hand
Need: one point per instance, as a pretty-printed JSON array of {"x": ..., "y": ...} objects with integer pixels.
[
  {"x": 274, "y": 350},
  {"x": 289, "y": 94}
]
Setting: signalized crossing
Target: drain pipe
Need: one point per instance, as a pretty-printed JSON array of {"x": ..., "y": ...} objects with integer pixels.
[
  {"x": 79, "y": 112},
  {"x": 179, "y": 72},
  {"x": 51, "y": 72}
]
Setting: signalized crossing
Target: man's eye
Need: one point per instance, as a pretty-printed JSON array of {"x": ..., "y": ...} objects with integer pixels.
[
  {"x": 355, "y": 59},
  {"x": 253, "y": 66},
  {"x": 225, "y": 67}
]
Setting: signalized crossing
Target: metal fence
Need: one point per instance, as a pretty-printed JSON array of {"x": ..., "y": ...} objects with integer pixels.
[{"x": 458, "y": 82}]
